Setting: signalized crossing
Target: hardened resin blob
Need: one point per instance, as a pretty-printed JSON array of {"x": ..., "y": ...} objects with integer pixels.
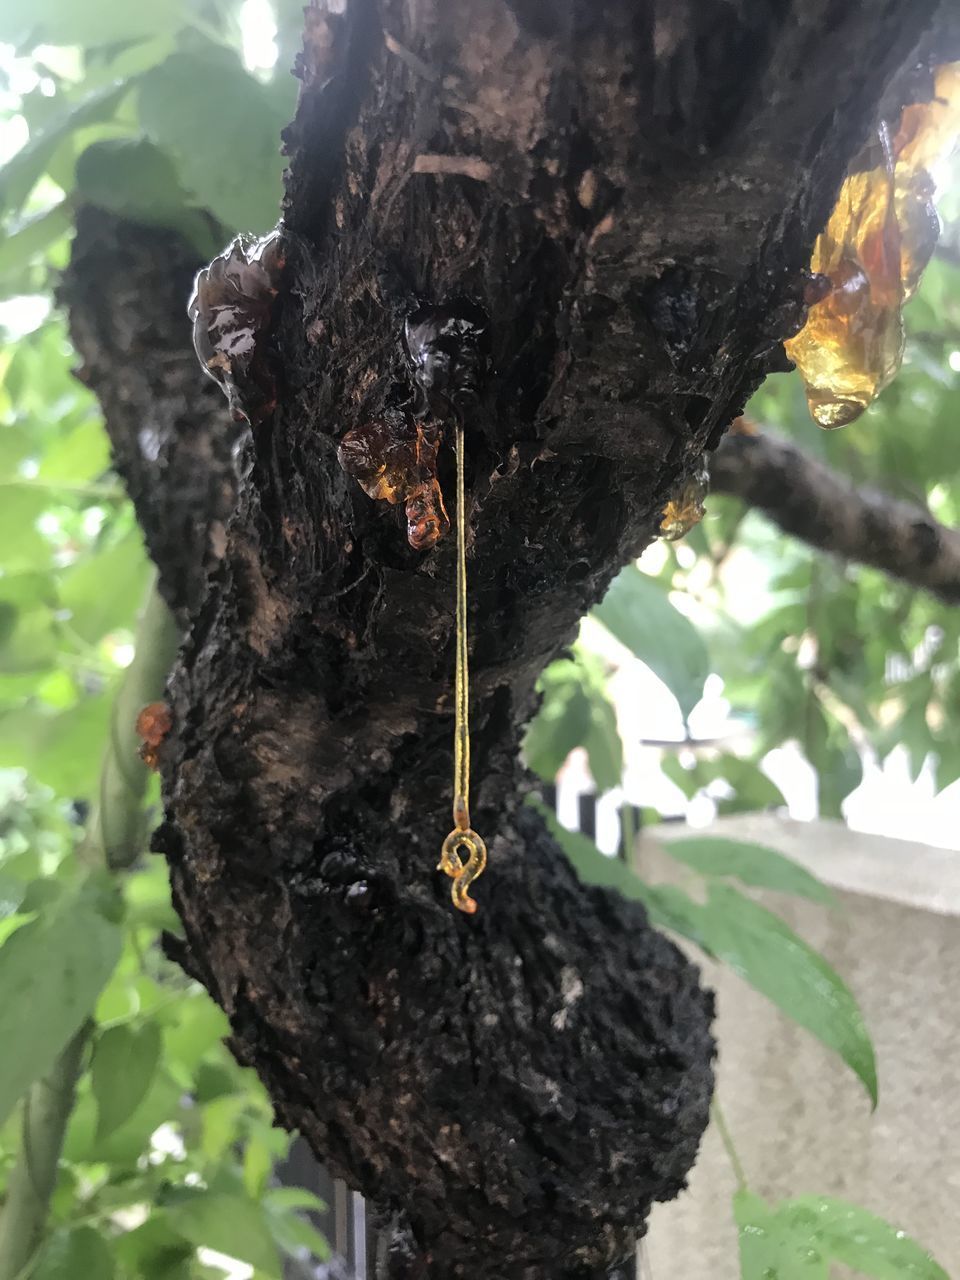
[
  {"x": 880, "y": 236},
  {"x": 394, "y": 459},
  {"x": 232, "y": 310}
]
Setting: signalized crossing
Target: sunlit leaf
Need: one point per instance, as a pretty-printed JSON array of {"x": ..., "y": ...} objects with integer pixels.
[
  {"x": 797, "y": 1239},
  {"x": 19, "y": 175},
  {"x": 562, "y": 722},
  {"x": 72, "y": 1254},
  {"x": 125, "y": 1061},
  {"x": 860, "y": 1239},
  {"x": 104, "y": 591},
  {"x": 51, "y": 971},
  {"x": 230, "y": 1224},
  {"x": 82, "y": 454},
  {"x": 28, "y": 633},
  {"x": 61, "y": 750},
  {"x": 637, "y": 610},
  {"x": 32, "y": 22},
  {"x": 223, "y": 128},
  {"x": 770, "y": 1248},
  {"x": 32, "y": 238},
  {"x": 24, "y": 546}
]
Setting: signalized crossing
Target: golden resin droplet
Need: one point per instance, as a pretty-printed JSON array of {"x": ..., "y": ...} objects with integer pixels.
[
  {"x": 685, "y": 509},
  {"x": 395, "y": 460},
  {"x": 880, "y": 236}
]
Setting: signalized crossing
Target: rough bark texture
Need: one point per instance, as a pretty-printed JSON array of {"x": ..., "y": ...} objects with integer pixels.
[
  {"x": 629, "y": 191},
  {"x": 810, "y": 501},
  {"x": 173, "y": 441}
]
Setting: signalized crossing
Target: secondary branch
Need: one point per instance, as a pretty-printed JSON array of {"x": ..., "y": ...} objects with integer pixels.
[{"x": 812, "y": 502}]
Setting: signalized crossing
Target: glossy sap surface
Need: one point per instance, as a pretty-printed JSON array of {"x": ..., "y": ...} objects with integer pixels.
[{"x": 880, "y": 236}]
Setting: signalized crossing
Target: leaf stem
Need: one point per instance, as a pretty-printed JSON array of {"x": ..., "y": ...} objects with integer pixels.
[
  {"x": 115, "y": 831},
  {"x": 728, "y": 1145}
]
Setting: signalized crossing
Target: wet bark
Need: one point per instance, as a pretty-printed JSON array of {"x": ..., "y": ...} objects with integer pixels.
[{"x": 629, "y": 192}]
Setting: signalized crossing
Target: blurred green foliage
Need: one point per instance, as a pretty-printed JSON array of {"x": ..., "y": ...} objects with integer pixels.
[
  {"x": 170, "y": 1145},
  {"x": 170, "y": 114}
]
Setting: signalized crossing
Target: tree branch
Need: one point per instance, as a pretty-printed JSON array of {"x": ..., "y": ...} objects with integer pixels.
[
  {"x": 646, "y": 185},
  {"x": 810, "y": 501},
  {"x": 44, "y": 1115},
  {"x": 164, "y": 418}
]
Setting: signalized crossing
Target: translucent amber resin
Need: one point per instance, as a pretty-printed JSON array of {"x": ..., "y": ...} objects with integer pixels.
[
  {"x": 232, "y": 313},
  {"x": 873, "y": 249},
  {"x": 395, "y": 460},
  {"x": 685, "y": 509}
]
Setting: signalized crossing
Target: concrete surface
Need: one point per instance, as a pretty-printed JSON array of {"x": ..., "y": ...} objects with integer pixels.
[{"x": 801, "y": 1120}]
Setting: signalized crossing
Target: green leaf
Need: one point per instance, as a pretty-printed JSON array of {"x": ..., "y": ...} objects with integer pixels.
[
  {"x": 668, "y": 907},
  {"x": 70, "y": 1255},
  {"x": 769, "y": 1248},
  {"x": 96, "y": 607},
  {"x": 294, "y": 1233},
  {"x": 155, "y": 1251},
  {"x": 860, "y": 1239},
  {"x": 139, "y": 180},
  {"x": 230, "y": 1224},
  {"x": 753, "y": 942},
  {"x": 766, "y": 952},
  {"x": 125, "y": 1061},
  {"x": 94, "y": 22},
  {"x": 82, "y": 454},
  {"x": 752, "y": 864},
  {"x": 28, "y": 636},
  {"x": 752, "y": 788},
  {"x": 832, "y": 753},
  {"x": 24, "y": 546},
  {"x": 562, "y": 722},
  {"x": 200, "y": 1026},
  {"x": 12, "y": 892},
  {"x": 28, "y": 241},
  {"x": 223, "y": 128},
  {"x": 575, "y": 711},
  {"x": 51, "y": 972},
  {"x": 63, "y": 750},
  {"x": 637, "y": 610},
  {"x": 796, "y": 1240},
  {"x": 130, "y": 1143},
  {"x": 20, "y": 174},
  {"x": 16, "y": 444},
  {"x": 603, "y": 743},
  {"x": 257, "y": 1164},
  {"x": 291, "y": 1231}
]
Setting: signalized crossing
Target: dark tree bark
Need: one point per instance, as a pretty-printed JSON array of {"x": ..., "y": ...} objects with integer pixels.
[
  {"x": 172, "y": 437},
  {"x": 630, "y": 192}
]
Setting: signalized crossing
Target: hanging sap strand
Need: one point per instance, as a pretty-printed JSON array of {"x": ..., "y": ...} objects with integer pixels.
[
  {"x": 462, "y": 837},
  {"x": 394, "y": 459}
]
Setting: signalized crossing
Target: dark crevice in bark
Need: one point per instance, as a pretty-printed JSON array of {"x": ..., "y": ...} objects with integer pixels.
[{"x": 521, "y": 1085}]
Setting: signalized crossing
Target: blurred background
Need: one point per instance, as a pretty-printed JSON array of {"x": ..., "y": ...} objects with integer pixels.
[{"x": 758, "y": 678}]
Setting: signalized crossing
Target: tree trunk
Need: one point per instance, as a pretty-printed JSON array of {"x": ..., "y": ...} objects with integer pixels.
[{"x": 628, "y": 193}]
